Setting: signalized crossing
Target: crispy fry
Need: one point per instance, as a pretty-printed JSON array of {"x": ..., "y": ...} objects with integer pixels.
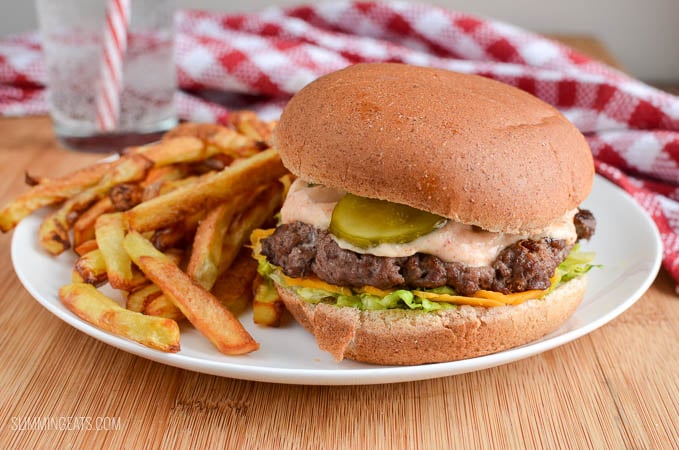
[
  {"x": 214, "y": 163},
  {"x": 144, "y": 293},
  {"x": 49, "y": 193},
  {"x": 183, "y": 231},
  {"x": 86, "y": 247},
  {"x": 91, "y": 305},
  {"x": 234, "y": 287},
  {"x": 202, "y": 309},
  {"x": 159, "y": 175},
  {"x": 126, "y": 196},
  {"x": 259, "y": 211},
  {"x": 206, "y": 252},
  {"x": 75, "y": 277},
  {"x": 247, "y": 123},
  {"x": 110, "y": 233},
  {"x": 83, "y": 228},
  {"x": 267, "y": 307},
  {"x": 217, "y": 137},
  {"x": 53, "y": 234},
  {"x": 161, "y": 306},
  {"x": 137, "y": 299},
  {"x": 92, "y": 267},
  {"x": 34, "y": 180},
  {"x": 171, "y": 185},
  {"x": 180, "y": 149},
  {"x": 242, "y": 176}
]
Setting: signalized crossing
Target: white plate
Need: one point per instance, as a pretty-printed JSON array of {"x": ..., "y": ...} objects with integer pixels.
[{"x": 627, "y": 244}]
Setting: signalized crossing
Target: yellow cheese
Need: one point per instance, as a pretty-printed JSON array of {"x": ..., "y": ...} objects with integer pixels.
[
  {"x": 511, "y": 299},
  {"x": 315, "y": 283},
  {"x": 258, "y": 234},
  {"x": 371, "y": 290},
  {"x": 458, "y": 299}
]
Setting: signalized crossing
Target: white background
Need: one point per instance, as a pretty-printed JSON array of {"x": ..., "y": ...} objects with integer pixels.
[{"x": 642, "y": 34}]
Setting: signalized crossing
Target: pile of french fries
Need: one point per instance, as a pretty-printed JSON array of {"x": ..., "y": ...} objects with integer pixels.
[{"x": 167, "y": 224}]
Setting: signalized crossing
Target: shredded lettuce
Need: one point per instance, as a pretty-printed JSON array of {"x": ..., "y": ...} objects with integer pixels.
[{"x": 577, "y": 263}]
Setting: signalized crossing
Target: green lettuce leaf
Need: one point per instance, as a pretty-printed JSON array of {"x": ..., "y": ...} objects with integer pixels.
[{"x": 577, "y": 263}]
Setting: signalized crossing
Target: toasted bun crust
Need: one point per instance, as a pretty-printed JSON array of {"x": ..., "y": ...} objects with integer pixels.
[
  {"x": 400, "y": 337},
  {"x": 461, "y": 146}
]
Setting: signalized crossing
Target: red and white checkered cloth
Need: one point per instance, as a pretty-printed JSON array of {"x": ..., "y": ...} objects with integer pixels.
[{"x": 258, "y": 60}]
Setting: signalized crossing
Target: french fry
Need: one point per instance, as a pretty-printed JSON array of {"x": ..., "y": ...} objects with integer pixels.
[
  {"x": 176, "y": 150},
  {"x": 167, "y": 238},
  {"x": 259, "y": 211},
  {"x": 75, "y": 277},
  {"x": 83, "y": 228},
  {"x": 214, "y": 163},
  {"x": 242, "y": 176},
  {"x": 34, "y": 180},
  {"x": 53, "y": 233},
  {"x": 159, "y": 175},
  {"x": 125, "y": 196},
  {"x": 200, "y": 307},
  {"x": 49, "y": 193},
  {"x": 110, "y": 233},
  {"x": 249, "y": 124},
  {"x": 91, "y": 305},
  {"x": 217, "y": 137},
  {"x": 206, "y": 252},
  {"x": 171, "y": 185},
  {"x": 92, "y": 267},
  {"x": 233, "y": 288},
  {"x": 144, "y": 293},
  {"x": 161, "y": 306},
  {"x": 267, "y": 307},
  {"x": 86, "y": 247},
  {"x": 136, "y": 300}
]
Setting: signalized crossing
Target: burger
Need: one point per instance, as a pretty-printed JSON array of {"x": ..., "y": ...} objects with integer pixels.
[{"x": 434, "y": 215}]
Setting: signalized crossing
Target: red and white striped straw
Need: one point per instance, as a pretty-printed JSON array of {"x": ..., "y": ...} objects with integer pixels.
[{"x": 110, "y": 82}]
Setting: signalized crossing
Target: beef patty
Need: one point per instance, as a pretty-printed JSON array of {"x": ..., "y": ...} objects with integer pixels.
[{"x": 302, "y": 250}]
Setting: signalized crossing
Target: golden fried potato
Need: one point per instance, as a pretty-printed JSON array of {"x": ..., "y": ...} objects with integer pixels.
[
  {"x": 200, "y": 307},
  {"x": 242, "y": 176},
  {"x": 110, "y": 232},
  {"x": 267, "y": 307},
  {"x": 54, "y": 191},
  {"x": 234, "y": 286},
  {"x": 89, "y": 304}
]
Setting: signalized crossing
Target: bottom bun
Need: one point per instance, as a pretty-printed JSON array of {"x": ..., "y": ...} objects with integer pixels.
[{"x": 405, "y": 337}]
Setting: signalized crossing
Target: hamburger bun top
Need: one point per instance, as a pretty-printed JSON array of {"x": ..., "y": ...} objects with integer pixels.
[{"x": 462, "y": 146}]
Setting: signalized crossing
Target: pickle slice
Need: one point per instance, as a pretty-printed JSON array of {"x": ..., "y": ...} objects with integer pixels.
[{"x": 367, "y": 222}]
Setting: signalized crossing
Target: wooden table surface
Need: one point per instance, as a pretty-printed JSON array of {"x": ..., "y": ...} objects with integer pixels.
[{"x": 617, "y": 387}]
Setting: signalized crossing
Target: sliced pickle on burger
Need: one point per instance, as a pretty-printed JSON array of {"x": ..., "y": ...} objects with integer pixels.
[{"x": 367, "y": 222}]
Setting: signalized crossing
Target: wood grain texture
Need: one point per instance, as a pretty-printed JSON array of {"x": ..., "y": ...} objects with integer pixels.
[{"x": 615, "y": 388}]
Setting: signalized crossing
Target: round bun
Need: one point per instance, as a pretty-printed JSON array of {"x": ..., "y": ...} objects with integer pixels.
[
  {"x": 402, "y": 337},
  {"x": 462, "y": 146}
]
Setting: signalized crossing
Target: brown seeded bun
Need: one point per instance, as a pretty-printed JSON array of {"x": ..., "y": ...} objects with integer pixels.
[
  {"x": 403, "y": 337},
  {"x": 461, "y": 146}
]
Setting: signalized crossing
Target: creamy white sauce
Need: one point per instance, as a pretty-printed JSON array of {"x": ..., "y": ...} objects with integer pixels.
[{"x": 313, "y": 204}]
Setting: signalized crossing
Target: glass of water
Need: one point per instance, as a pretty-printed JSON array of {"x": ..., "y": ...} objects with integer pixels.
[{"x": 72, "y": 38}]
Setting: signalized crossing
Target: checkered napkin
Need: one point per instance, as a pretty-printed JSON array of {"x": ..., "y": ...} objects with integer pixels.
[{"x": 259, "y": 60}]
